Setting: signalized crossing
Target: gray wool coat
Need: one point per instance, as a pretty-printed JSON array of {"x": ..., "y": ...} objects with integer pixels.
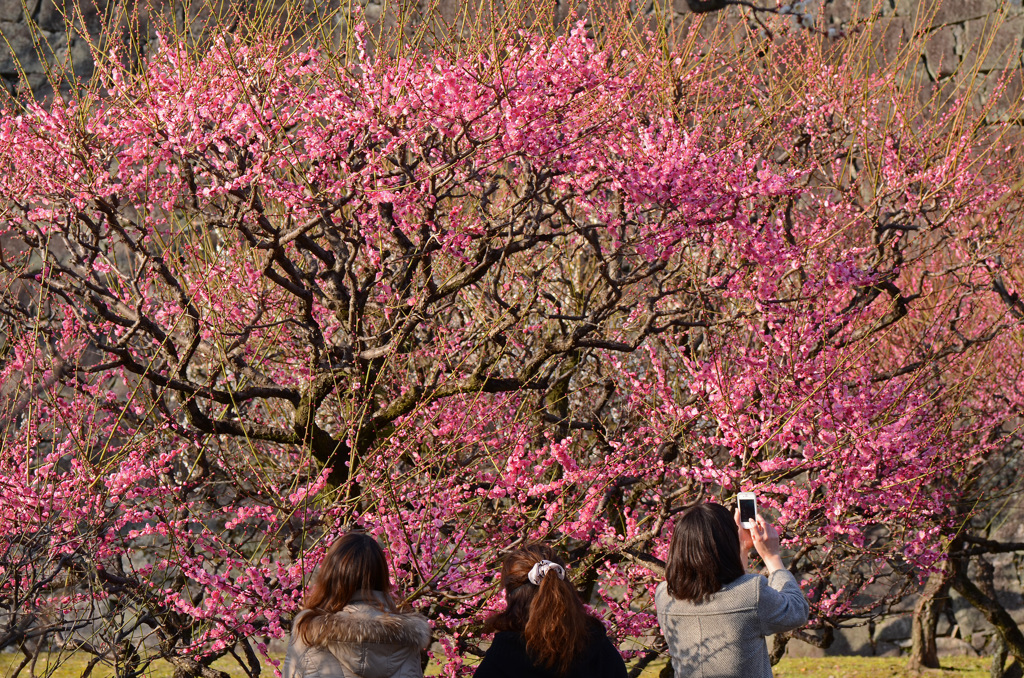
[
  {"x": 360, "y": 641},
  {"x": 725, "y": 637}
]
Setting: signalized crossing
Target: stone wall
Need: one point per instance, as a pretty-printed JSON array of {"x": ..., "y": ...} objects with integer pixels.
[
  {"x": 35, "y": 36},
  {"x": 966, "y": 39},
  {"x": 962, "y": 629}
]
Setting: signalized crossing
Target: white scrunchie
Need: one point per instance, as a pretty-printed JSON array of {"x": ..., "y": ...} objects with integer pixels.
[{"x": 540, "y": 569}]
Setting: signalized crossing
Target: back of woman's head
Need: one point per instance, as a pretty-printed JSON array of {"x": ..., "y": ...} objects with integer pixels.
[
  {"x": 704, "y": 554},
  {"x": 547, "y": 612},
  {"x": 355, "y": 564}
]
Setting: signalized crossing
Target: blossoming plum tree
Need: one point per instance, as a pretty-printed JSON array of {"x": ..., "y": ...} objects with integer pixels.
[{"x": 554, "y": 289}]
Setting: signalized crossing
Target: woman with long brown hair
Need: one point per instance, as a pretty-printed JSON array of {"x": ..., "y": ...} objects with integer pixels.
[
  {"x": 544, "y": 631},
  {"x": 350, "y": 626},
  {"x": 714, "y": 615}
]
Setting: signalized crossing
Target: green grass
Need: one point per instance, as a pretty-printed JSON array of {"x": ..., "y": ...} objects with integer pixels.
[
  {"x": 72, "y": 666},
  {"x": 868, "y": 667},
  {"x": 879, "y": 667}
]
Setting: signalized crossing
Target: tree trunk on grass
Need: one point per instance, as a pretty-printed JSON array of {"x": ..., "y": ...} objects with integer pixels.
[
  {"x": 779, "y": 644},
  {"x": 998, "y": 658},
  {"x": 989, "y": 606},
  {"x": 923, "y": 653}
]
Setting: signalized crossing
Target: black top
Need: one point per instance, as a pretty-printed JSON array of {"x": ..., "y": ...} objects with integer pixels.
[{"x": 507, "y": 658}]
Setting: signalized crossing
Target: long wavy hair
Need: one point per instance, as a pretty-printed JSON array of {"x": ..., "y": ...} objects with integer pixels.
[
  {"x": 355, "y": 563},
  {"x": 704, "y": 554},
  {"x": 550, "y": 616}
]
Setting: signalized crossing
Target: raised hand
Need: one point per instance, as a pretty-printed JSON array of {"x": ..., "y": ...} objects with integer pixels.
[
  {"x": 766, "y": 541},
  {"x": 746, "y": 540}
]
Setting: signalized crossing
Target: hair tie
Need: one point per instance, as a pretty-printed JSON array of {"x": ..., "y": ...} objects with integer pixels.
[{"x": 540, "y": 569}]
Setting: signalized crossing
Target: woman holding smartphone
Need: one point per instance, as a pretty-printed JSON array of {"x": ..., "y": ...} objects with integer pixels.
[{"x": 714, "y": 615}]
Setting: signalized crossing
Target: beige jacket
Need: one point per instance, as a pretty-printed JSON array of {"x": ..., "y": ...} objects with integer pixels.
[{"x": 360, "y": 641}]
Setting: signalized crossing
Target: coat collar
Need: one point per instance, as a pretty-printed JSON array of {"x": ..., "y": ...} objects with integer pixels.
[{"x": 365, "y": 623}]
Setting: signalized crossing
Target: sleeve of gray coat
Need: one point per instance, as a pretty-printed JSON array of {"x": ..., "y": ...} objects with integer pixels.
[{"x": 781, "y": 605}]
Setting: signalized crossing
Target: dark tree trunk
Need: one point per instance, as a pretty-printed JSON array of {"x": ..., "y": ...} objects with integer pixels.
[
  {"x": 779, "y": 643},
  {"x": 998, "y": 658},
  {"x": 989, "y": 606},
  {"x": 987, "y": 585},
  {"x": 923, "y": 653}
]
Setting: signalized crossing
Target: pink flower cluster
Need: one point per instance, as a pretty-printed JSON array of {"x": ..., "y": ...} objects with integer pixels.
[{"x": 535, "y": 293}]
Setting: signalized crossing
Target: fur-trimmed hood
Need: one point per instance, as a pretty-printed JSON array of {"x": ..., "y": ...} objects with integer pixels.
[
  {"x": 360, "y": 641},
  {"x": 362, "y": 623}
]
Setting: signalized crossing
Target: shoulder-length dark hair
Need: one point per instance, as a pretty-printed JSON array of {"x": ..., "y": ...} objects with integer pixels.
[
  {"x": 550, "y": 616},
  {"x": 705, "y": 553},
  {"x": 355, "y": 563}
]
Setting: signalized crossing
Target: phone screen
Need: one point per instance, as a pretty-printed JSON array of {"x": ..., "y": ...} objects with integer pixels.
[{"x": 747, "y": 510}]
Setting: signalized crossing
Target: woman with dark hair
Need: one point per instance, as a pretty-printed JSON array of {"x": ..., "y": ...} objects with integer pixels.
[
  {"x": 544, "y": 631},
  {"x": 713, "y": 615},
  {"x": 350, "y": 626}
]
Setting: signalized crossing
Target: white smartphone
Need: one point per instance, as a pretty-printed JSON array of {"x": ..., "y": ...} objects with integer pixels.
[{"x": 748, "y": 509}]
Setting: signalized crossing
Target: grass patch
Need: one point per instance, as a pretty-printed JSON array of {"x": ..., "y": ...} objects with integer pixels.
[
  {"x": 879, "y": 667},
  {"x": 73, "y": 665},
  {"x": 867, "y": 667}
]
